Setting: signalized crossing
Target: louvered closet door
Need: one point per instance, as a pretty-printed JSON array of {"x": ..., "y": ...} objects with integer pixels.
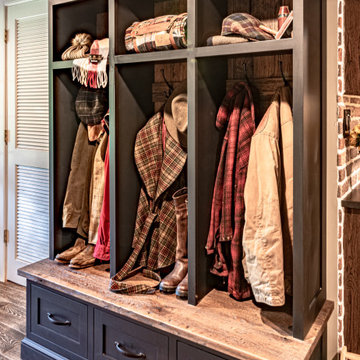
[{"x": 28, "y": 124}]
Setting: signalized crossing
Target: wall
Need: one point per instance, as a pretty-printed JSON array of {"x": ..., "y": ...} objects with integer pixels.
[{"x": 348, "y": 159}]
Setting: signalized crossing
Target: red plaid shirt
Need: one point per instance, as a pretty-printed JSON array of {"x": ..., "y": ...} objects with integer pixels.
[{"x": 228, "y": 208}]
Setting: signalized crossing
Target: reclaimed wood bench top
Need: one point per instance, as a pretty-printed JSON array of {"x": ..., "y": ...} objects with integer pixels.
[{"x": 238, "y": 329}]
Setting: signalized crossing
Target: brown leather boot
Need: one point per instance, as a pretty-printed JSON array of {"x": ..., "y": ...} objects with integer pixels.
[
  {"x": 170, "y": 282},
  {"x": 84, "y": 259},
  {"x": 67, "y": 255},
  {"x": 182, "y": 289}
]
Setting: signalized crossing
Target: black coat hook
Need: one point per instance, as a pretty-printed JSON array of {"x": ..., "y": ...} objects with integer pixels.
[
  {"x": 245, "y": 73},
  {"x": 286, "y": 83},
  {"x": 171, "y": 88}
]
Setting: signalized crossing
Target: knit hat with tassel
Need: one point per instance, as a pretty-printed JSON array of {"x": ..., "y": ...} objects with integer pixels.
[{"x": 79, "y": 48}]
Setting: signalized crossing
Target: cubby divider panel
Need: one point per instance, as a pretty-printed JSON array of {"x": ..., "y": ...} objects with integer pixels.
[
  {"x": 65, "y": 126},
  {"x": 70, "y": 18},
  {"x": 204, "y": 154}
]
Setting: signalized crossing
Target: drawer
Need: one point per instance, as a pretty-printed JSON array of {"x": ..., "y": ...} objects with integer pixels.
[
  {"x": 58, "y": 323},
  {"x": 187, "y": 352},
  {"x": 120, "y": 339}
]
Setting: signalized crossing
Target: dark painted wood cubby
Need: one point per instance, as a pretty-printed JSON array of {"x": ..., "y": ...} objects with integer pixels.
[{"x": 209, "y": 71}]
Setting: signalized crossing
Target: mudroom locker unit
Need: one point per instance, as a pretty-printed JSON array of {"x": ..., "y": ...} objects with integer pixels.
[{"x": 71, "y": 314}]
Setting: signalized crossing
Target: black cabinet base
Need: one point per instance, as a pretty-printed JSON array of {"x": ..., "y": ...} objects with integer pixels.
[{"x": 30, "y": 350}]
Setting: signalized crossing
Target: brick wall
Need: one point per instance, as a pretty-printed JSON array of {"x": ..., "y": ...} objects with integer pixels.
[{"x": 348, "y": 159}]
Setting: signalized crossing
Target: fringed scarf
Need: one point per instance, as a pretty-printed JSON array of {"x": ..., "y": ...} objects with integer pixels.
[{"x": 91, "y": 74}]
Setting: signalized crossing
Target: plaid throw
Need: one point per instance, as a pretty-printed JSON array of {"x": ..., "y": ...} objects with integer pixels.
[
  {"x": 93, "y": 74},
  {"x": 162, "y": 173},
  {"x": 227, "y": 213},
  {"x": 245, "y": 25},
  {"x": 162, "y": 33},
  {"x": 224, "y": 40}
]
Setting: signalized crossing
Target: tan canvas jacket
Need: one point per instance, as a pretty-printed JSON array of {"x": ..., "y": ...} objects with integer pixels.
[
  {"x": 76, "y": 202},
  {"x": 268, "y": 231}
]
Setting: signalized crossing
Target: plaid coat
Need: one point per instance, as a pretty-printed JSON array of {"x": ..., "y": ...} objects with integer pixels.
[
  {"x": 227, "y": 213},
  {"x": 161, "y": 172}
]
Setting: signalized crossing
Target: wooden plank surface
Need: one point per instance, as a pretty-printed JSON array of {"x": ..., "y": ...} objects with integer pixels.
[
  {"x": 218, "y": 322},
  {"x": 12, "y": 320},
  {"x": 351, "y": 280}
]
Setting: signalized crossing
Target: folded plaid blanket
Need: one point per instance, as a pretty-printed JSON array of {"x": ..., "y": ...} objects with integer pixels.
[
  {"x": 161, "y": 33},
  {"x": 246, "y": 26},
  {"x": 91, "y": 74},
  {"x": 225, "y": 40}
]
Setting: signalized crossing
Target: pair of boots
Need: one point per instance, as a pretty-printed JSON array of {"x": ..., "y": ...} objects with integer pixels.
[
  {"x": 79, "y": 256},
  {"x": 177, "y": 280}
]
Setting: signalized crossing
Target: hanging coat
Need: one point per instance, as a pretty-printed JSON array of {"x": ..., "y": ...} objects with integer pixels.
[
  {"x": 227, "y": 214},
  {"x": 97, "y": 187},
  {"x": 102, "y": 248},
  {"x": 268, "y": 232},
  {"x": 76, "y": 203},
  {"x": 162, "y": 173}
]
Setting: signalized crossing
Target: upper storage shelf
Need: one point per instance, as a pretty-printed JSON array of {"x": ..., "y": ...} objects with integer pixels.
[
  {"x": 129, "y": 11},
  {"x": 211, "y": 13},
  {"x": 70, "y": 18}
]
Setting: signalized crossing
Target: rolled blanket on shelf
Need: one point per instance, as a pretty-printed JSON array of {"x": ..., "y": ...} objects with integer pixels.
[{"x": 161, "y": 33}]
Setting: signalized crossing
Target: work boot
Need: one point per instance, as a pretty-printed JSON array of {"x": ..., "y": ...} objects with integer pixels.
[
  {"x": 67, "y": 255},
  {"x": 182, "y": 289},
  {"x": 84, "y": 259},
  {"x": 170, "y": 282}
]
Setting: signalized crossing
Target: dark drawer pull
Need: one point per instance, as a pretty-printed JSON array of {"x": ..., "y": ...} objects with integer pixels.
[
  {"x": 128, "y": 354},
  {"x": 55, "y": 322}
]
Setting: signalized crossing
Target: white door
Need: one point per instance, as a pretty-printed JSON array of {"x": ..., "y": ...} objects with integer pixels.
[{"x": 28, "y": 125}]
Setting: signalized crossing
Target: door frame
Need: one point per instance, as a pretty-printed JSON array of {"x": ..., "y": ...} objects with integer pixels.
[
  {"x": 4, "y": 4},
  {"x": 3, "y": 178},
  {"x": 331, "y": 170}
]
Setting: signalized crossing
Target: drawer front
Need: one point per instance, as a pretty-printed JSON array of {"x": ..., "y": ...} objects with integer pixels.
[
  {"x": 58, "y": 323},
  {"x": 187, "y": 352},
  {"x": 119, "y": 339}
]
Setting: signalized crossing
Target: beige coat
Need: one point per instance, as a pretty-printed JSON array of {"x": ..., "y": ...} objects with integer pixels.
[
  {"x": 76, "y": 204},
  {"x": 97, "y": 186},
  {"x": 268, "y": 231}
]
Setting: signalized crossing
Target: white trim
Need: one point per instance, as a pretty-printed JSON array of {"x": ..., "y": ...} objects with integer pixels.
[
  {"x": 331, "y": 176},
  {"x": 3, "y": 249},
  {"x": 14, "y": 2}
]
